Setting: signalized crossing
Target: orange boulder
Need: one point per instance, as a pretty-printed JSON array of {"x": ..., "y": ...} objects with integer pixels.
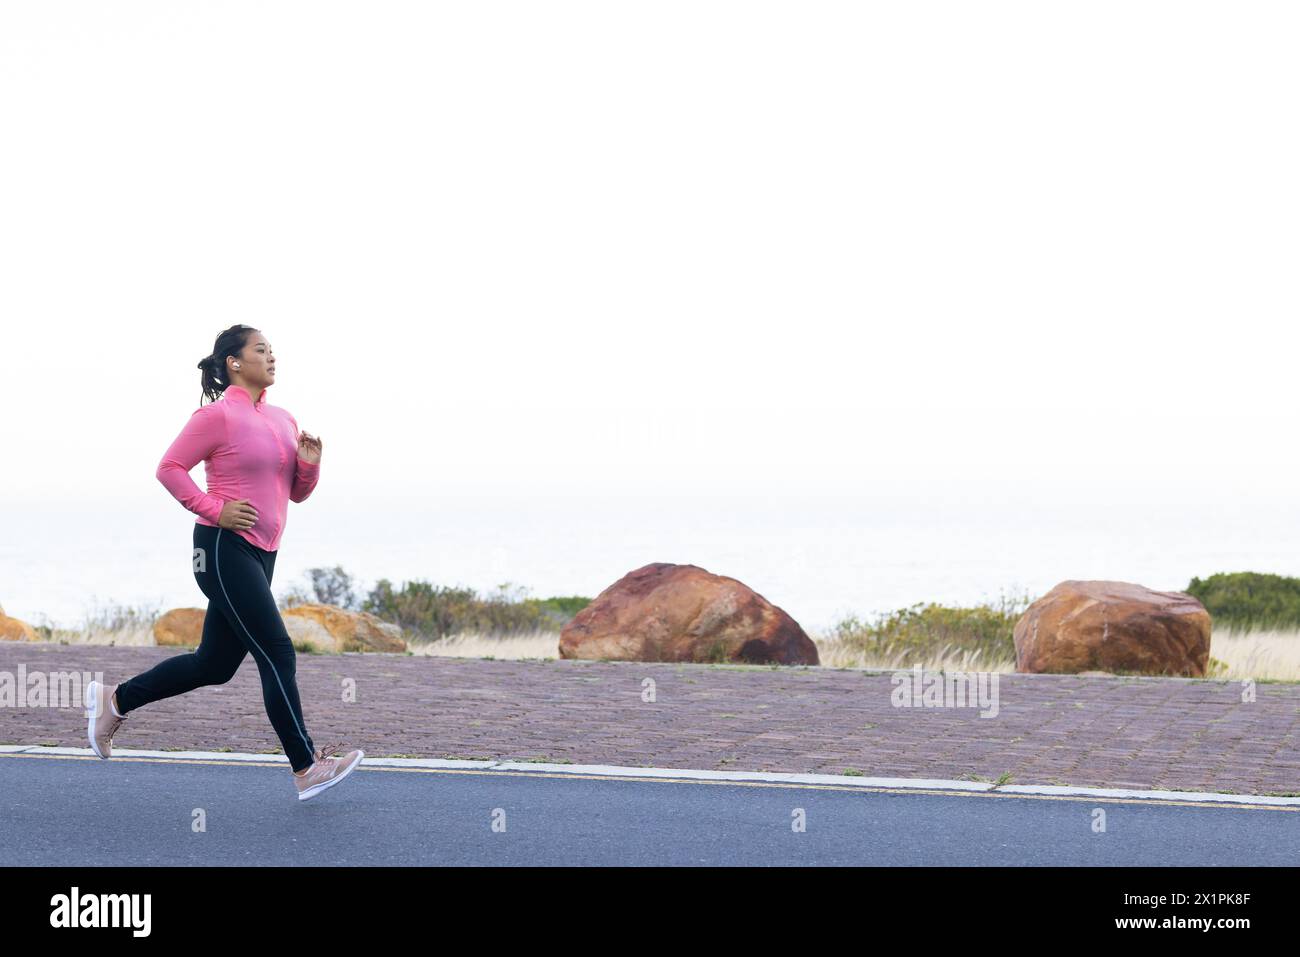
[
  {"x": 667, "y": 612},
  {"x": 1113, "y": 626}
]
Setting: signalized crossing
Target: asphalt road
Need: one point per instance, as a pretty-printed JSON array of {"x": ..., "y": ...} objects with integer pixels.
[{"x": 83, "y": 811}]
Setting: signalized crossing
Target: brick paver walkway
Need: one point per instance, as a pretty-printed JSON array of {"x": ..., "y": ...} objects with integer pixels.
[{"x": 1094, "y": 731}]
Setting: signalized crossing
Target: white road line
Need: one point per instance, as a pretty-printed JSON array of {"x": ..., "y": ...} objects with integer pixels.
[{"x": 840, "y": 780}]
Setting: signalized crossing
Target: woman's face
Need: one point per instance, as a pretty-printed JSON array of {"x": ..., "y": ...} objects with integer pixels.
[{"x": 256, "y": 362}]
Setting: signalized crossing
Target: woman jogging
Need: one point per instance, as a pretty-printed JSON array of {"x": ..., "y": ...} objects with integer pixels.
[{"x": 255, "y": 460}]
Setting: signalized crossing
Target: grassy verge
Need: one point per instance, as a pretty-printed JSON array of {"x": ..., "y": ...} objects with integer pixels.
[{"x": 1247, "y": 640}]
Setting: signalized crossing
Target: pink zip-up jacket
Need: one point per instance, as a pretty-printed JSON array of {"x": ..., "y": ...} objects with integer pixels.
[{"x": 249, "y": 450}]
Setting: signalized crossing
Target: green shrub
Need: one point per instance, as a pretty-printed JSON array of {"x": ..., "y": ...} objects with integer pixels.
[
  {"x": 333, "y": 586},
  {"x": 435, "y": 611},
  {"x": 922, "y": 630},
  {"x": 1246, "y": 600},
  {"x": 114, "y": 617},
  {"x": 326, "y": 586},
  {"x": 563, "y": 607}
]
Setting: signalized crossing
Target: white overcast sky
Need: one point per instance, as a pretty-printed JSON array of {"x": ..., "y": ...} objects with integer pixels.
[{"x": 676, "y": 245}]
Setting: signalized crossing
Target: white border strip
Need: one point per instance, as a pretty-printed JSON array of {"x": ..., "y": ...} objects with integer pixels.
[{"x": 614, "y": 770}]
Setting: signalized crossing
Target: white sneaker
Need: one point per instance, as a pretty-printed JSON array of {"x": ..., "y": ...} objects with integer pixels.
[
  {"x": 101, "y": 722},
  {"x": 326, "y": 771}
]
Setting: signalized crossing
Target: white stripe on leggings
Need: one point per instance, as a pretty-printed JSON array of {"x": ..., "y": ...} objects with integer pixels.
[{"x": 216, "y": 563}]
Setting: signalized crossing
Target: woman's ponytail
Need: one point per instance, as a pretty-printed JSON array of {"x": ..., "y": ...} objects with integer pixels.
[
  {"x": 213, "y": 386},
  {"x": 229, "y": 343}
]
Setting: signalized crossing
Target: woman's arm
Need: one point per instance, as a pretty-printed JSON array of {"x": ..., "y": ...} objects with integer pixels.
[
  {"x": 203, "y": 434},
  {"x": 306, "y": 471}
]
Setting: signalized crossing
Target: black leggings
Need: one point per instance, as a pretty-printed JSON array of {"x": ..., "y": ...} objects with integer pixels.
[{"x": 242, "y": 616}]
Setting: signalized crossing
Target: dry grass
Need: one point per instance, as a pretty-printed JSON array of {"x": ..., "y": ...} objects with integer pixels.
[
  {"x": 545, "y": 644},
  {"x": 132, "y": 636},
  {"x": 1264, "y": 654},
  {"x": 1271, "y": 655},
  {"x": 537, "y": 644},
  {"x": 838, "y": 654},
  {"x": 111, "y": 625}
]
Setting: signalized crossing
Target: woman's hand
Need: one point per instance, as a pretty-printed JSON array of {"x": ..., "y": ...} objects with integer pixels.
[
  {"x": 238, "y": 515},
  {"x": 309, "y": 447}
]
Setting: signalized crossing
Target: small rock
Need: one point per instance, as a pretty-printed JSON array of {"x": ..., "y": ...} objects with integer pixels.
[
  {"x": 181, "y": 627},
  {"x": 15, "y": 629}
]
